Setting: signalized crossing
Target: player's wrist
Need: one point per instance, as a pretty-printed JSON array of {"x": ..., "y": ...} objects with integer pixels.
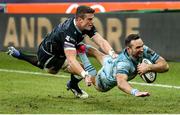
[
  {"x": 149, "y": 68},
  {"x": 134, "y": 92},
  {"x": 86, "y": 77},
  {"x": 84, "y": 74},
  {"x": 111, "y": 52}
]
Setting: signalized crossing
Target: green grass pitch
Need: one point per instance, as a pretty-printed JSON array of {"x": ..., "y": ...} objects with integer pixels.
[{"x": 26, "y": 93}]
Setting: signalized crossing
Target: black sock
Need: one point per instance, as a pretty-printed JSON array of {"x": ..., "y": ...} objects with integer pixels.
[
  {"x": 74, "y": 81},
  {"x": 29, "y": 58}
]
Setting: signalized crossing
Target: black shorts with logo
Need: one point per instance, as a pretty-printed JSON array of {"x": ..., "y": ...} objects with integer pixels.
[{"x": 48, "y": 60}]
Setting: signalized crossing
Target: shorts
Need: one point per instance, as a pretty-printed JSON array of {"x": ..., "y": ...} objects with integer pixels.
[
  {"x": 102, "y": 84},
  {"x": 48, "y": 60}
]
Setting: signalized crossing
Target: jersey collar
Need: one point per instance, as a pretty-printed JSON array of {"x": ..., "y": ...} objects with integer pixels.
[
  {"x": 76, "y": 26},
  {"x": 134, "y": 60}
]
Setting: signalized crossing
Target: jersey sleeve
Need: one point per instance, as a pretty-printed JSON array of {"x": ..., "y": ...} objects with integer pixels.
[
  {"x": 150, "y": 54},
  {"x": 123, "y": 68},
  {"x": 91, "y": 32},
  {"x": 69, "y": 43}
]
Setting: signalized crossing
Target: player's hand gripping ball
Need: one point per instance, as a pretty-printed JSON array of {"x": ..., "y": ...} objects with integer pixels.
[{"x": 148, "y": 77}]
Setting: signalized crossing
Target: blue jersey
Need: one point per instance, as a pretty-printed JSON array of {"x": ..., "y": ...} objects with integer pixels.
[{"x": 106, "y": 77}]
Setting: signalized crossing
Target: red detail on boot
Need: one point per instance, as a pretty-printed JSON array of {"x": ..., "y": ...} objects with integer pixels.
[{"x": 81, "y": 48}]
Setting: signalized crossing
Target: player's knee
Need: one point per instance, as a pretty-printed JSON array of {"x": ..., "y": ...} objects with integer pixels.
[
  {"x": 53, "y": 72},
  {"x": 81, "y": 48},
  {"x": 50, "y": 71}
]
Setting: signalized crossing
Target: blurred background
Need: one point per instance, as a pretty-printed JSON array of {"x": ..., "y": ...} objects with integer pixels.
[{"x": 24, "y": 23}]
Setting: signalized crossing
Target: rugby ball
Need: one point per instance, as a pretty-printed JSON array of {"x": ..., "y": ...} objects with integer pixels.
[{"x": 148, "y": 77}]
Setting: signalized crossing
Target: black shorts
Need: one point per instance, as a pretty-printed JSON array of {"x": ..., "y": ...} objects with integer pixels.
[{"x": 47, "y": 60}]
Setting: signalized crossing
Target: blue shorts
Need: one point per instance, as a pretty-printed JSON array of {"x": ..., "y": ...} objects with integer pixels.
[{"x": 101, "y": 83}]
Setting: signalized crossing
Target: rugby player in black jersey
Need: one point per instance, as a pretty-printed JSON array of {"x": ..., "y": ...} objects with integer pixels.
[{"x": 58, "y": 48}]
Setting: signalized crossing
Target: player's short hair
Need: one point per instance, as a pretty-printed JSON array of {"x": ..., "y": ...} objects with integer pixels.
[
  {"x": 82, "y": 10},
  {"x": 130, "y": 38}
]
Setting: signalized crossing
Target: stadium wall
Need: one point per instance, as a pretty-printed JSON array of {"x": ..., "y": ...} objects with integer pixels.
[
  {"x": 57, "y": 1},
  {"x": 160, "y": 31},
  {"x": 61, "y": 8}
]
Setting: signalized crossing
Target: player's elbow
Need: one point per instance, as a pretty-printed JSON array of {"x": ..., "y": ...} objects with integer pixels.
[
  {"x": 166, "y": 67},
  {"x": 120, "y": 83}
]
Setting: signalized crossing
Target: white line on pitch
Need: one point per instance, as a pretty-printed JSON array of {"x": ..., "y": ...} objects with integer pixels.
[
  {"x": 157, "y": 85},
  {"x": 64, "y": 76},
  {"x": 32, "y": 73}
]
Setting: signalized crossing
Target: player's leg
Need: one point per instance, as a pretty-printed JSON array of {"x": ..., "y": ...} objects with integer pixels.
[
  {"x": 75, "y": 79},
  {"x": 50, "y": 63},
  {"x": 81, "y": 51},
  {"x": 73, "y": 86},
  {"x": 101, "y": 83},
  {"x": 92, "y": 51},
  {"x": 19, "y": 55}
]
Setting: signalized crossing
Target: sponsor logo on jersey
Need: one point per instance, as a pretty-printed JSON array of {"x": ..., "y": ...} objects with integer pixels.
[{"x": 67, "y": 38}]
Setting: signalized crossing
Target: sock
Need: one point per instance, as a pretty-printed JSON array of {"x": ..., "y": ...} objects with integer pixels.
[
  {"x": 81, "y": 51},
  {"x": 75, "y": 80},
  {"x": 29, "y": 58},
  {"x": 87, "y": 65}
]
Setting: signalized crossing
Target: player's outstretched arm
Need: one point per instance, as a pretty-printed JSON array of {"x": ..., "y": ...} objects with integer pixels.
[{"x": 126, "y": 87}]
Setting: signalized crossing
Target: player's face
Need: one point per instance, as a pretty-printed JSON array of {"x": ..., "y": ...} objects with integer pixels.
[
  {"x": 87, "y": 22},
  {"x": 136, "y": 49}
]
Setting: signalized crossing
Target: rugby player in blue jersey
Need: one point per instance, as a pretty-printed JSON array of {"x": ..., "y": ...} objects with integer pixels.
[
  {"x": 58, "y": 48},
  {"x": 118, "y": 71}
]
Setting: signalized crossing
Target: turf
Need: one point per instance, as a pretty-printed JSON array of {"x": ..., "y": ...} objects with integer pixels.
[{"x": 39, "y": 94}]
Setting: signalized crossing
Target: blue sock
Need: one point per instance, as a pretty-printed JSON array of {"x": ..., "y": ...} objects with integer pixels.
[{"x": 87, "y": 65}]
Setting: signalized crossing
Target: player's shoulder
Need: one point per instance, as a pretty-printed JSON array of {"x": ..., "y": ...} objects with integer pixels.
[
  {"x": 68, "y": 20},
  {"x": 123, "y": 67},
  {"x": 123, "y": 64},
  {"x": 123, "y": 56},
  {"x": 145, "y": 48},
  {"x": 123, "y": 59},
  {"x": 148, "y": 50},
  {"x": 67, "y": 24}
]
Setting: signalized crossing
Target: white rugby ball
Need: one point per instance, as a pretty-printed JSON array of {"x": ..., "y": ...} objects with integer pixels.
[{"x": 148, "y": 77}]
